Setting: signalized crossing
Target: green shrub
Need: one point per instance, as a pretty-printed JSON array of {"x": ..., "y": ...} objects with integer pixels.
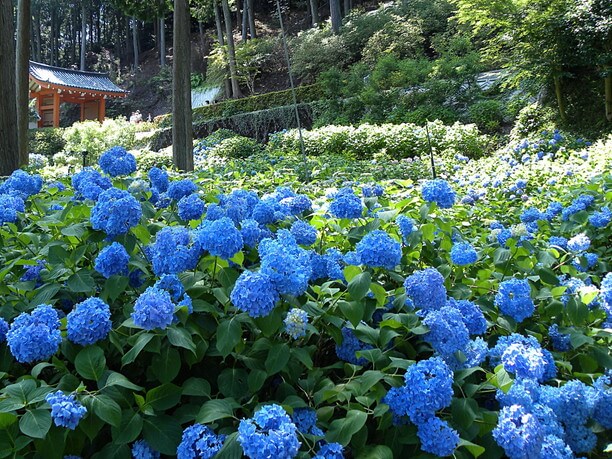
[
  {"x": 216, "y": 137},
  {"x": 95, "y": 137},
  {"x": 47, "y": 141},
  {"x": 316, "y": 50},
  {"x": 236, "y": 147},
  {"x": 487, "y": 114},
  {"x": 401, "y": 39},
  {"x": 531, "y": 120},
  {"x": 147, "y": 159}
]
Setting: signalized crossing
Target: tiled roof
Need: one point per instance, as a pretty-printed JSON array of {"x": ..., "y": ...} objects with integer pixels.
[{"x": 73, "y": 78}]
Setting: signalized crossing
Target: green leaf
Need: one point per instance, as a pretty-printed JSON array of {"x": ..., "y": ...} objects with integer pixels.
[
  {"x": 197, "y": 387},
  {"x": 548, "y": 276},
  {"x": 21, "y": 390},
  {"x": 229, "y": 334},
  {"x": 163, "y": 433},
  {"x": 359, "y": 286},
  {"x": 256, "y": 380},
  {"x": 130, "y": 428},
  {"x": 90, "y": 363},
  {"x": 81, "y": 282},
  {"x": 166, "y": 365},
  {"x": 376, "y": 452},
  {"x": 35, "y": 423},
  {"x": 277, "y": 359},
  {"x": 106, "y": 409},
  {"x": 342, "y": 430},
  {"x": 474, "y": 449},
  {"x": 429, "y": 231},
  {"x": 214, "y": 410},
  {"x": 114, "y": 287},
  {"x": 164, "y": 397},
  {"x": 180, "y": 337},
  {"x": 350, "y": 272},
  {"x": 352, "y": 310},
  {"x": 233, "y": 382},
  {"x": 231, "y": 448},
  {"x": 7, "y": 419},
  {"x": 141, "y": 342},
  {"x": 117, "y": 379}
]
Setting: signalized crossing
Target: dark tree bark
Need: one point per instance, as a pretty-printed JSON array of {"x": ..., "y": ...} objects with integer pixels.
[
  {"x": 9, "y": 157},
  {"x": 348, "y": 5},
  {"x": 245, "y": 22},
  {"x": 135, "y": 43},
  {"x": 314, "y": 15},
  {"x": 251, "y": 12},
  {"x": 204, "y": 48},
  {"x": 336, "y": 15},
  {"x": 608, "y": 91},
  {"x": 182, "y": 129},
  {"x": 83, "y": 34},
  {"x": 22, "y": 65},
  {"x": 162, "y": 41},
  {"x": 221, "y": 40},
  {"x": 37, "y": 33},
  {"x": 231, "y": 51}
]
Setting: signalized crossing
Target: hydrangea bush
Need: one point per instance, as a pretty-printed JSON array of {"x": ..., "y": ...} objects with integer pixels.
[{"x": 198, "y": 316}]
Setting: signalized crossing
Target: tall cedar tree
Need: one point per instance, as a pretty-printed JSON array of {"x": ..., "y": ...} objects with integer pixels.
[
  {"x": 9, "y": 157},
  {"x": 22, "y": 66},
  {"x": 182, "y": 130}
]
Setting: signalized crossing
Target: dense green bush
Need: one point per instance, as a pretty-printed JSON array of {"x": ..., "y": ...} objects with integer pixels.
[
  {"x": 147, "y": 159},
  {"x": 487, "y": 114},
  {"x": 46, "y": 141},
  {"x": 533, "y": 119},
  {"x": 235, "y": 147},
  {"x": 95, "y": 137},
  {"x": 394, "y": 141}
]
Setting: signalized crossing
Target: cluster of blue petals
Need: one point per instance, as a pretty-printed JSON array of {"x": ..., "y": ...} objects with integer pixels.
[
  {"x": 89, "y": 322},
  {"x": 117, "y": 161},
  {"x": 153, "y": 309},
  {"x": 438, "y": 191},
  {"x": 36, "y": 336},
  {"x": 379, "y": 250},
  {"x": 112, "y": 260},
  {"x": 115, "y": 212},
  {"x": 66, "y": 410},
  {"x": 199, "y": 442}
]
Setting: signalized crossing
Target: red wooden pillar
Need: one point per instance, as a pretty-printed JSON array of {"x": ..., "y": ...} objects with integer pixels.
[
  {"x": 56, "y": 109},
  {"x": 82, "y": 105},
  {"x": 101, "y": 109}
]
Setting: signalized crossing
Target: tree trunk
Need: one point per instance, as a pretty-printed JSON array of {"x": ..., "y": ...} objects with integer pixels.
[
  {"x": 83, "y": 34},
  {"x": 560, "y": 101},
  {"x": 204, "y": 48},
  {"x": 135, "y": 43},
  {"x": 245, "y": 22},
  {"x": 251, "y": 11},
  {"x": 608, "y": 86},
  {"x": 22, "y": 82},
  {"x": 228, "y": 85},
  {"x": 37, "y": 32},
  {"x": 182, "y": 130},
  {"x": 314, "y": 8},
  {"x": 347, "y": 7},
  {"x": 162, "y": 42},
  {"x": 336, "y": 15},
  {"x": 236, "y": 93},
  {"x": 9, "y": 158}
]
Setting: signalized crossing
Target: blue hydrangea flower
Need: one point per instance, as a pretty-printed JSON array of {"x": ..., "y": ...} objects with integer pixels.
[
  {"x": 251, "y": 232},
  {"x": 117, "y": 161},
  {"x": 346, "y": 204},
  {"x": 4, "y": 327},
  {"x": 406, "y": 226},
  {"x": 606, "y": 289},
  {"x": 350, "y": 345},
  {"x": 304, "y": 233},
  {"x": 379, "y": 250},
  {"x": 305, "y": 419},
  {"x": 153, "y": 309},
  {"x": 112, "y": 260},
  {"x": 473, "y": 318},
  {"x": 426, "y": 289},
  {"x": 66, "y": 410},
  {"x": 296, "y": 323},
  {"x": 115, "y": 212},
  {"x": 9, "y": 206},
  {"x": 581, "y": 203},
  {"x": 518, "y": 432},
  {"x": 181, "y": 188},
  {"x": 560, "y": 341},
  {"x": 138, "y": 188},
  {"x": 330, "y": 451},
  {"x": 438, "y": 191},
  {"x": 220, "y": 238},
  {"x": 172, "y": 284},
  {"x": 285, "y": 263},
  {"x": 601, "y": 219},
  {"x": 372, "y": 190},
  {"x": 174, "y": 251},
  {"x": 554, "y": 447},
  {"x": 22, "y": 184},
  {"x": 524, "y": 356},
  {"x": 602, "y": 411},
  {"x": 269, "y": 434},
  {"x": 142, "y": 450},
  {"x": 297, "y": 204},
  {"x": 89, "y": 183},
  {"x": 514, "y": 299},
  {"x": 580, "y": 439},
  {"x": 254, "y": 293},
  {"x": 531, "y": 215},
  {"x": 159, "y": 179},
  {"x": 32, "y": 272},
  {"x": 199, "y": 442},
  {"x": 191, "y": 207},
  {"x": 263, "y": 213},
  {"x": 89, "y": 322},
  {"x": 503, "y": 236},
  {"x": 553, "y": 209},
  {"x": 474, "y": 353},
  {"x": 437, "y": 437},
  {"x": 579, "y": 243},
  {"x": 432, "y": 377},
  {"x": 558, "y": 241},
  {"x": 463, "y": 254},
  {"x": 447, "y": 331},
  {"x": 585, "y": 261},
  {"x": 36, "y": 336}
]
